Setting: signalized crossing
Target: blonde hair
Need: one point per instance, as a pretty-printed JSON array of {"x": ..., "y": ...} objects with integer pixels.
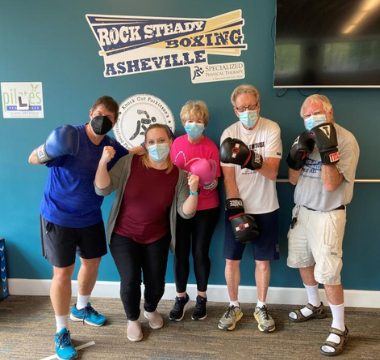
[
  {"x": 197, "y": 109},
  {"x": 244, "y": 89},
  {"x": 315, "y": 99},
  {"x": 145, "y": 158}
]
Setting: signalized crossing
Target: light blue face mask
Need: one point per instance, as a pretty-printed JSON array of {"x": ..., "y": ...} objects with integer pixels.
[
  {"x": 248, "y": 118},
  {"x": 194, "y": 130},
  {"x": 159, "y": 152},
  {"x": 314, "y": 120}
]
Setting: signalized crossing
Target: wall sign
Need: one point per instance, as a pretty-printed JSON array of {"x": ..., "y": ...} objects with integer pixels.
[
  {"x": 136, "y": 114},
  {"x": 22, "y": 100},
  {"x": 131, "y": 45}
]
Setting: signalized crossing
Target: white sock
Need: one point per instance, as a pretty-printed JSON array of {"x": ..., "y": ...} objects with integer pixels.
[
  {"x": 260, "y": 304},
  {"x": 235, "y": 303},
  {"x": 61, "y": 322},
  {"x": 337, "y": 312},
  {"x": 82, "y": 301},
  {"x": 313, "y": 295},
  {"x": 313, "y": 299}
]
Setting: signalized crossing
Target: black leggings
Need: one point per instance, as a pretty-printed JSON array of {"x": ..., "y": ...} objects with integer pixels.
[
  {"x": 196, "y": 234},
  {"x": 130, "y": 258}
]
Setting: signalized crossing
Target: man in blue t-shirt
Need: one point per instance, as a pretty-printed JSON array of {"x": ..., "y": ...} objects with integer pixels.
[{"x": 71, "y": 218}]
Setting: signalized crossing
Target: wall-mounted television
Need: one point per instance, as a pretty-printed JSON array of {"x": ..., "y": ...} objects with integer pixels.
[{"x": 327, "y": 43}]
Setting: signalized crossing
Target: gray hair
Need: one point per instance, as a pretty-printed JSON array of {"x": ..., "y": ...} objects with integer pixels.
[
  {"x": 244, "y": 89},
  {"x": 315, "y": 99}
]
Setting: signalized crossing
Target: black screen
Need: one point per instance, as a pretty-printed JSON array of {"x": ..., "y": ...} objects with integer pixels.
[{"x": 327, "y": 43}]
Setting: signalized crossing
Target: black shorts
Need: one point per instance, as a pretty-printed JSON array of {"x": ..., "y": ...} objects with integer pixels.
[{"x": 60, "y": 244}]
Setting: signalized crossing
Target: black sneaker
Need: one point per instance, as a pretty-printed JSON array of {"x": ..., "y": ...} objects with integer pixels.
[
  {"x": 199, "y": 312},
  {"x": 179, "y": 308}
]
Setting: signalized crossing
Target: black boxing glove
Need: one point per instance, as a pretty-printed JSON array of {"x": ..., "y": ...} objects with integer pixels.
[
  {"x": 244, "y": 226},
  {"x": 234, "y": 151},
  {"x": 325, "y": 138},
  {"x": 301, "y": 146}
]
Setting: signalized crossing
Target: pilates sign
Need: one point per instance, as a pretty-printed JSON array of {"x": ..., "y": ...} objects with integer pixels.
[
  {"x": 132, "y": 45},
  {"x": 22, "y": 100}
]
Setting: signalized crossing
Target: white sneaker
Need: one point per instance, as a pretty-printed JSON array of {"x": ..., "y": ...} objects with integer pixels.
[
  {"x": 230, "y": 318},
  {"x": 265, "y": 322},
  {"x": 155, "y": 319},
  {"x": 134, "y": 332}
]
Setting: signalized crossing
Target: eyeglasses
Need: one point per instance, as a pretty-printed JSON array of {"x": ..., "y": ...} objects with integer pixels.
[
  {"x": 244, "y": 108},
  {"x": 317, "y": 112}
]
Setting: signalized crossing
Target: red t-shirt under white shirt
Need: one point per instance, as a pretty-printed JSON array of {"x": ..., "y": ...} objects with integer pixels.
[{"x": 148, "y": 195}]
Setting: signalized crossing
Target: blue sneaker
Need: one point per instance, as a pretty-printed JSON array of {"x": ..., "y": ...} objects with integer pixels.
[
  {"x": 63, "y": 346},
  {"x": 88, "y": 315}
]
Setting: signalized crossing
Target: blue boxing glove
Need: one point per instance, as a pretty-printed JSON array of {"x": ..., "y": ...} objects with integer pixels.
[{"x": 61, "y": 141}]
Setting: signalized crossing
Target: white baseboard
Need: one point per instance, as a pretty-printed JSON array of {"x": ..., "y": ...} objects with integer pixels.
[{"x": 217, "y": 293}]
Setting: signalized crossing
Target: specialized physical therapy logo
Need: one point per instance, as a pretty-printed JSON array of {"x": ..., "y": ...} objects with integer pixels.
[
  {"x": 131, "y": 45},
  {"x": 136, "y": 114}
]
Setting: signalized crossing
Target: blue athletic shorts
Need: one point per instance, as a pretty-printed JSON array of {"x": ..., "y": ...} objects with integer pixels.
[
  {"x": 61, "y": 244},
  {"x": 265, "y": 246}
]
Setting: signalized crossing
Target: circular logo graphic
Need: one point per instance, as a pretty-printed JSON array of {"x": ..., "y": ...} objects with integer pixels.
[{"x": 136, "y": 114}]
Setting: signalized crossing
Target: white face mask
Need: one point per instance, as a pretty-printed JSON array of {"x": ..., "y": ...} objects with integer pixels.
[
  {"x": 159, "y": 152},
  {"x": 248, "y": 118},
  {"x": 314, "y": 120}
]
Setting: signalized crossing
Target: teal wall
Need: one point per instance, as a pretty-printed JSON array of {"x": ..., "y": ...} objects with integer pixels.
[{"x": 51, "y": 42}]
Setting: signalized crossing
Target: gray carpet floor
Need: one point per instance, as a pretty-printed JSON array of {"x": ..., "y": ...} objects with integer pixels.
[{"x": 27, "y": 329}]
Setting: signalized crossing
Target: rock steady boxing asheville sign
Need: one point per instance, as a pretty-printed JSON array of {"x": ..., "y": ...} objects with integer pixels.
[{"x": 132, "y": 45}]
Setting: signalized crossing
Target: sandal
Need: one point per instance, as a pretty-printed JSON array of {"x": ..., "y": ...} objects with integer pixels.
[
  {"x": 317, "y": 313},
  {"x": 338, "y": 348}
]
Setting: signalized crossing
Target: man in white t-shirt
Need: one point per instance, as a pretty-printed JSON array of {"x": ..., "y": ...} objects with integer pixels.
[{"x": 250, "y": 155}]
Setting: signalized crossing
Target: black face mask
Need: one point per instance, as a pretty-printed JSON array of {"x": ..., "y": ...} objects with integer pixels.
[{"x": 101, "y": 125}]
